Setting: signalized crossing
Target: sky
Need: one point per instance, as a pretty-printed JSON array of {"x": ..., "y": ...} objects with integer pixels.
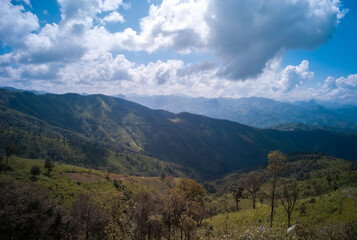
[{"x": 288, "y": 50}]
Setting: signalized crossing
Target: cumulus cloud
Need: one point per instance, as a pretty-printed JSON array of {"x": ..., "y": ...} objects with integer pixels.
[
  {"x": 54, "y": 44},
  {"x": 294, "y": 76},
  {"x": 342, "y": 89},
  {"x": 15, "y": 23},
  {"x": 86, "y": 10},
  {"x": 246, "y": 34},
  {"x": 113, "y": 17},
  {"x": 174, "y": 24},
  {"x": 247, "y": 38}
]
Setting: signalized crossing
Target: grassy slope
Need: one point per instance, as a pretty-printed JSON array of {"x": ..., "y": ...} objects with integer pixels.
[
  {"x": 335, "y": 207},
  {"x": 318, "y": 204},
  {"x": 66, "y": 182}
]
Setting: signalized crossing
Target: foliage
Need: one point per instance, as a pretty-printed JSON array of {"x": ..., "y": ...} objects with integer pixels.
[
  {"x": 276, "y": 161},
  {"x": 117, "y": 135},
  {"x": 35, "y": 171},
  {"x": 10, "y": 149},
  {"x": 288, "y": 197},
  {"x": 237, "y": 192},
  {"x": 88, "y": 217},
  {"x": 128, "y": 207},
  {"x": 28, "y": 212},
  {"x": 252, "y": 183},
  {"x": 49, "y": 165}
]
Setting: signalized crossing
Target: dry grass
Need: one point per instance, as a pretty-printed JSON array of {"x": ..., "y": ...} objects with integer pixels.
[{"x": 84, "y": 177}]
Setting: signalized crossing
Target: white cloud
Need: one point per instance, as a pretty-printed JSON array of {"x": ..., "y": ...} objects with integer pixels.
[
  {"x": 294, "y": 76},
  {"x": 110, "y": 5},
  {"x": 15, "y": 23},
  {"x": 86, "y": 10},
  {"x": 174, "y": 24},
  {"x": 248, "y": 38},
  {"x": 341, "y": 89},
  {"x": 245, "y": 34},
  {"x": 113, "y": 17}
]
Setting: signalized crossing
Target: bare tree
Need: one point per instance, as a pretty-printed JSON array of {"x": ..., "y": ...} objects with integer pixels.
[
  {"x": 252, "y": 183},
  {"x": 289, "y": 197},
  {"x": 276, "y": 161}
]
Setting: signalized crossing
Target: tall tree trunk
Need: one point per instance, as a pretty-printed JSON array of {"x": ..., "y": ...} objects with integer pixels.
[
  {"x": 169, "y": 226},
  {"x": 272, "y": 203},
  {"x": 289, "y": 216},
  {"x": 182, "y": 221}
]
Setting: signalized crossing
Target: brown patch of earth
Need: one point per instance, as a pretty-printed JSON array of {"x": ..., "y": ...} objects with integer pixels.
[{"x": 84, "y": 177}]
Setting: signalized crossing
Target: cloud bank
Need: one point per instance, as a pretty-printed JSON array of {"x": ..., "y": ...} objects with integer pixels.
[{"x": 247, "y": 38}]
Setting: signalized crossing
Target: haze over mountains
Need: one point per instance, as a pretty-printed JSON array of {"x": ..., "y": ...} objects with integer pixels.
[
  {"x": 109, "y": 132},
  {"x": 260, "y": 112}
]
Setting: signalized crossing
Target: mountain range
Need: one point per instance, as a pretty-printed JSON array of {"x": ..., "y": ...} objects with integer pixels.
[
  {"x": 123, "y": 136},
  {"x": 259, "y": 112}
]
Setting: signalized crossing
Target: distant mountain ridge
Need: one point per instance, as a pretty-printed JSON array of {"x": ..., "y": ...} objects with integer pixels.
[
  {"x": 257, "y": 112},
  {"x": 99, "y": 130}
]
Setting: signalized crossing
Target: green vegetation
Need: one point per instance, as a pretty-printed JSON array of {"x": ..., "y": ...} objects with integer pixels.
[
  {"x": 131, "y": 207},
  {"x": 120, "y": 136},
  {"x": 97, "y": 167}
]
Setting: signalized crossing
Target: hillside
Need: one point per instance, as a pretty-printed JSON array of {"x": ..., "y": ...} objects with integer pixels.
[
  {"x": 119, "y": 204},
  {"x": 108, "y": 132}
]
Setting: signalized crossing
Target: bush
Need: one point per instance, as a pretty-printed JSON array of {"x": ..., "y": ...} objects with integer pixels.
[{"x": 35, "y": 171}]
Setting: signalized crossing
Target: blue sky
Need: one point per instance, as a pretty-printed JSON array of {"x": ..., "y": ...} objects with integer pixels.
[{"x": 282, "y": 49}]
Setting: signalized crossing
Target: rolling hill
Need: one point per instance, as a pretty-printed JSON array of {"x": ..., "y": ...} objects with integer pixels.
[{"x": 108, "y": 132}]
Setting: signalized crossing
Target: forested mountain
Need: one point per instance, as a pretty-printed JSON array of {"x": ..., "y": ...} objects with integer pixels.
[
  {"x": 258, "y": 112},
  {"x": 102, "y": 131}
]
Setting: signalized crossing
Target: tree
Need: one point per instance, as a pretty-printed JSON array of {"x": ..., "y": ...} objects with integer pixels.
[
  {"x": 89, "y": 219},
  {"x": 145, "y": 205},
  {"x": 194, "y": 194},
  {"x": 276, "y": 161},
  {"x": 28, "y": 212},
  {"x": 288, "y": 198},
  {"x": 237, "y": 192},
  {"x": 120, "y": 219},
  {"x": 173, "y": 211},
  {"x": 10, "y": 149},
  {"x": 49, "y": 165},
  {"x": 252, "y": 183},
  {"x": 35, "y": 171},
  {"x": 184, "y": 208},
  {"x": 261, "y": 196}
]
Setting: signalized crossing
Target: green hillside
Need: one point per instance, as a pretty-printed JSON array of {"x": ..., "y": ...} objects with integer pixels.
[
  {"x": 111, "y": 133},
  {"x": 323, "y": 210}
]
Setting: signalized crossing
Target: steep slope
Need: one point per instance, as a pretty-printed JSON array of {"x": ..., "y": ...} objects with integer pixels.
[{"x": 209, "y": 146}]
